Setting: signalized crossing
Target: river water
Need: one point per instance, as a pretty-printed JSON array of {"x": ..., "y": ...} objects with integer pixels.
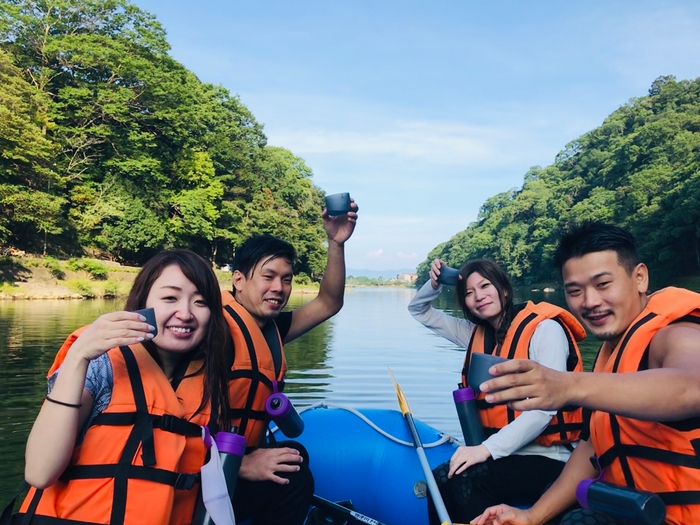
[{"x": 343, "y": 361}]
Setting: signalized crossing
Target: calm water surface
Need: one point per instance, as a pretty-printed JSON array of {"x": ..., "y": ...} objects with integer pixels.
[{"x": 343, "y": 361}]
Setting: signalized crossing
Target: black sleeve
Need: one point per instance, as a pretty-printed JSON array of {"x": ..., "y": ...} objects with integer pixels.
[{"x": 284, "y": 323}]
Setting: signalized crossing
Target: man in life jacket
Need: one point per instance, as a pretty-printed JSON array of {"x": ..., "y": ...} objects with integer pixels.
[
  {"x": 275, "y": 484},
  {"x": 644, "y": 392}
]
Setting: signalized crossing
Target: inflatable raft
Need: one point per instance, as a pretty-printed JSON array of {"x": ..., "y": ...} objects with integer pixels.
[{"x": 366, "y": 456}]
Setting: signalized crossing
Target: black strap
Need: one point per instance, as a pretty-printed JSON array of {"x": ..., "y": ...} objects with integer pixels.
[
  {"x": 31, "y": 510},
  {"x": 249, "y": 374},
  {"x": 680, "y": 497},
  {"x": 166, "y": 422},
  {"x": 629, "y": 335},
  {"x": 178, "y": 480},
  {"x": 562, "y": 428},
  {"x": 256, "y": 375},
  {"x": 6, "y": 516},
  {"x": 668, "y": 457},
  {"x": 50, "y": 520}
]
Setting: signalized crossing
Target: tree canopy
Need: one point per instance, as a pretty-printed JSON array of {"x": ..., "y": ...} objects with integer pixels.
[
  {"x": 640, "y": 170},
  {"x": 108, "y": 146}
]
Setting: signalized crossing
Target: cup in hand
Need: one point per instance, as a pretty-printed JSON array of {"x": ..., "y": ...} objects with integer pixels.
[
  {"x": 479, "y": 368},
  {"x": 150, "y": 315},
  {"x": 448, "y": 276},
  {"x": 338, "y": 204}
]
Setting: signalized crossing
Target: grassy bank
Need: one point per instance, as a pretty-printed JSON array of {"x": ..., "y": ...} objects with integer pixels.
[{"x": 33, "y": 277}]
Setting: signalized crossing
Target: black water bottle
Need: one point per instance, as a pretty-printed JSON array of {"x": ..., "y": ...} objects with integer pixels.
[
  {"x": 465, "y": 403},
  {"x": 231, "y": 450},
  {"x": 282, "y": 412},
  {"x": 636, "y": 506}
]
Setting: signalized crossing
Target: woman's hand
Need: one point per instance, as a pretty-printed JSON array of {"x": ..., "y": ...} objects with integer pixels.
[
  {"x": 110, "y": 331},
  {"x": 465, "y": 457},
  {"x": 502, "y": 515},
  {"x": 434, "y": 273}
]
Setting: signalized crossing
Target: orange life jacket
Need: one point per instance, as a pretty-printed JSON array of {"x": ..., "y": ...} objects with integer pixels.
[
  {"x": 253, "y": 370},
  {"x": 140, "y": 458},
  {"x": 660, "y": 457},
  {"x": 566, "y": 424}
]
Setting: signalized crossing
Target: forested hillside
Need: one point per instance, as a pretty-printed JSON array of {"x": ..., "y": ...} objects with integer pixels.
[
  {"x": 640, "y": 169},
  {"x": 109, "y": 147}
]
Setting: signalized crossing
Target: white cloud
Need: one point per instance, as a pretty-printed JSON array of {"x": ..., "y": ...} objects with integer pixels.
[{"x": 375, "y": 254}]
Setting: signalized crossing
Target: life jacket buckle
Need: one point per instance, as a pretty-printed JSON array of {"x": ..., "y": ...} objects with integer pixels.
[{"x": 185, "y": 481}]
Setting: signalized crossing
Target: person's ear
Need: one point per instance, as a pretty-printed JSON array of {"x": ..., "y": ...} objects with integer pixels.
[
  {"x": 640, "y": 274},
  {"x": 238, "y": 280}
]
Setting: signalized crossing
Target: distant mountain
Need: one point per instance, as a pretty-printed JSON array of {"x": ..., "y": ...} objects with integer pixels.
[{"x": 376, "y": 274}]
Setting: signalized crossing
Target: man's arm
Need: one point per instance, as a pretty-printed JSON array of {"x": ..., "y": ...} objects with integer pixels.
[
  {"x": 668, "y": 391},
  {"x": 329, "y": 300}
]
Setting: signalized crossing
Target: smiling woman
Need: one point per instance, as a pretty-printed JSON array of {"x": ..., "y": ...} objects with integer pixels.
[
  {"x": 116, "y": 382},
  {"x": 523, "y": 453}
]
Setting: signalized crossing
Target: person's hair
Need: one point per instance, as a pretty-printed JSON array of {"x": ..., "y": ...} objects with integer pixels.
[
  {"x": 256, "y": 248},
  {"x": 494, "y": 273},
  {"x": 594, "y": 236},
  {"x": 212, "y": 347}
]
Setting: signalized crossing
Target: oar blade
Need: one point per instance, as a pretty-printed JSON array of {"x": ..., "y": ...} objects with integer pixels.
[{"x": 403, "y": 402}]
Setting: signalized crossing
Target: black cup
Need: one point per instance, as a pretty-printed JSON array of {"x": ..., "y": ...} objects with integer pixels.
[
  {"x": 448, "y": 276},
  {"x": 479, "y": 368},
  {"x": 150, "y": 315},
  {"x": 338, "y": 204}
]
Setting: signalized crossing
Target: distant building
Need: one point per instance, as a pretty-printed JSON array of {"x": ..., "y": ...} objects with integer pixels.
[{"x": 407, "y": 277}]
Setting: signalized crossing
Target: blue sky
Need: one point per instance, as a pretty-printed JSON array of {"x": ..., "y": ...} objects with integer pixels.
[{"x": 423, "y": 110}]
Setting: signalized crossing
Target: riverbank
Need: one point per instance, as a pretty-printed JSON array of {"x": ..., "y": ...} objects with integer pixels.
[{"x": 38, "y": 278}]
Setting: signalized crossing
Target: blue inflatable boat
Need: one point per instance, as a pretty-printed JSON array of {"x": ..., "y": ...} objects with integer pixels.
[{"x": 366, "y": 456}]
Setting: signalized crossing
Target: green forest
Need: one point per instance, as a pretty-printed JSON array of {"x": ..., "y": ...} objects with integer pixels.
[
  {"x": 640, "y": 169},
  {"x": 112, "y": 149}
]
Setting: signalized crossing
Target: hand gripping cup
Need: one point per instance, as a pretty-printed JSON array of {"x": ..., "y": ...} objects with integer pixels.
[
  {"x": 282, "y": 412},
  {"x": 338, "y": 204},
  {"x": 448, "y": 276},
  {"x": 479, "y": 368}
]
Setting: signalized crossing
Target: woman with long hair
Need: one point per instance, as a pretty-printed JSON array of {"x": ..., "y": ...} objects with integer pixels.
[
  {"x": 119, "y": 437},
  {"x": 523, "y": 452}
]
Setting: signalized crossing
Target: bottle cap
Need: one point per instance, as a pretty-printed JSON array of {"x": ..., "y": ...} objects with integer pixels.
[
  {"x": 230, "y": 443},
  {"x": 278, "y": 406},
  {"x": 464, "y": 394}
]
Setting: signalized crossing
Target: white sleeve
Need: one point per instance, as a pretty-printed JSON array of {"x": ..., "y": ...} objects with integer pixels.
[
  {"x": 549, "y": 347},
  {"x": 454, "y": 329}
]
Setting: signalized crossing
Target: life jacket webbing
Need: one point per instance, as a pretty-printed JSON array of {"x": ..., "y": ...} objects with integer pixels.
[
  {"x": 50, "y": 520},
  {"x": 654, "y": 454},
  {"x": 178, "y": 480},
  {"x": 27, "y": 518},
  {"x": 680, "y": 497},
  {"x": 259, "y": 415},
  {"x": 166, "y": 422},
  {"x": 628, "y": 336},
  {"x": 255, "y": 370},
  {"x": 249, "y": 374},
  {"x": 614, "y": 423}
]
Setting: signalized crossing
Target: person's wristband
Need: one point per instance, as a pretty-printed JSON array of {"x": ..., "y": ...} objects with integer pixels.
[{"x": 69, "y": 405}]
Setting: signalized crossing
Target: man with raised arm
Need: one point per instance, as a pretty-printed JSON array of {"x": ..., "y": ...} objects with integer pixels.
[
  {"x": 275, "y": 484},
  {"x": 644, "y": 392}
]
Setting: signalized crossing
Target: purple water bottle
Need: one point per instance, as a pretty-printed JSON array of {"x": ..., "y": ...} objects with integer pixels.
[
  {"x": 282, "y": 412},
  {"x": 465, "y": 403},
  {"x": 231, "y": 450},
  {"x": 636, "y": 506}
]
